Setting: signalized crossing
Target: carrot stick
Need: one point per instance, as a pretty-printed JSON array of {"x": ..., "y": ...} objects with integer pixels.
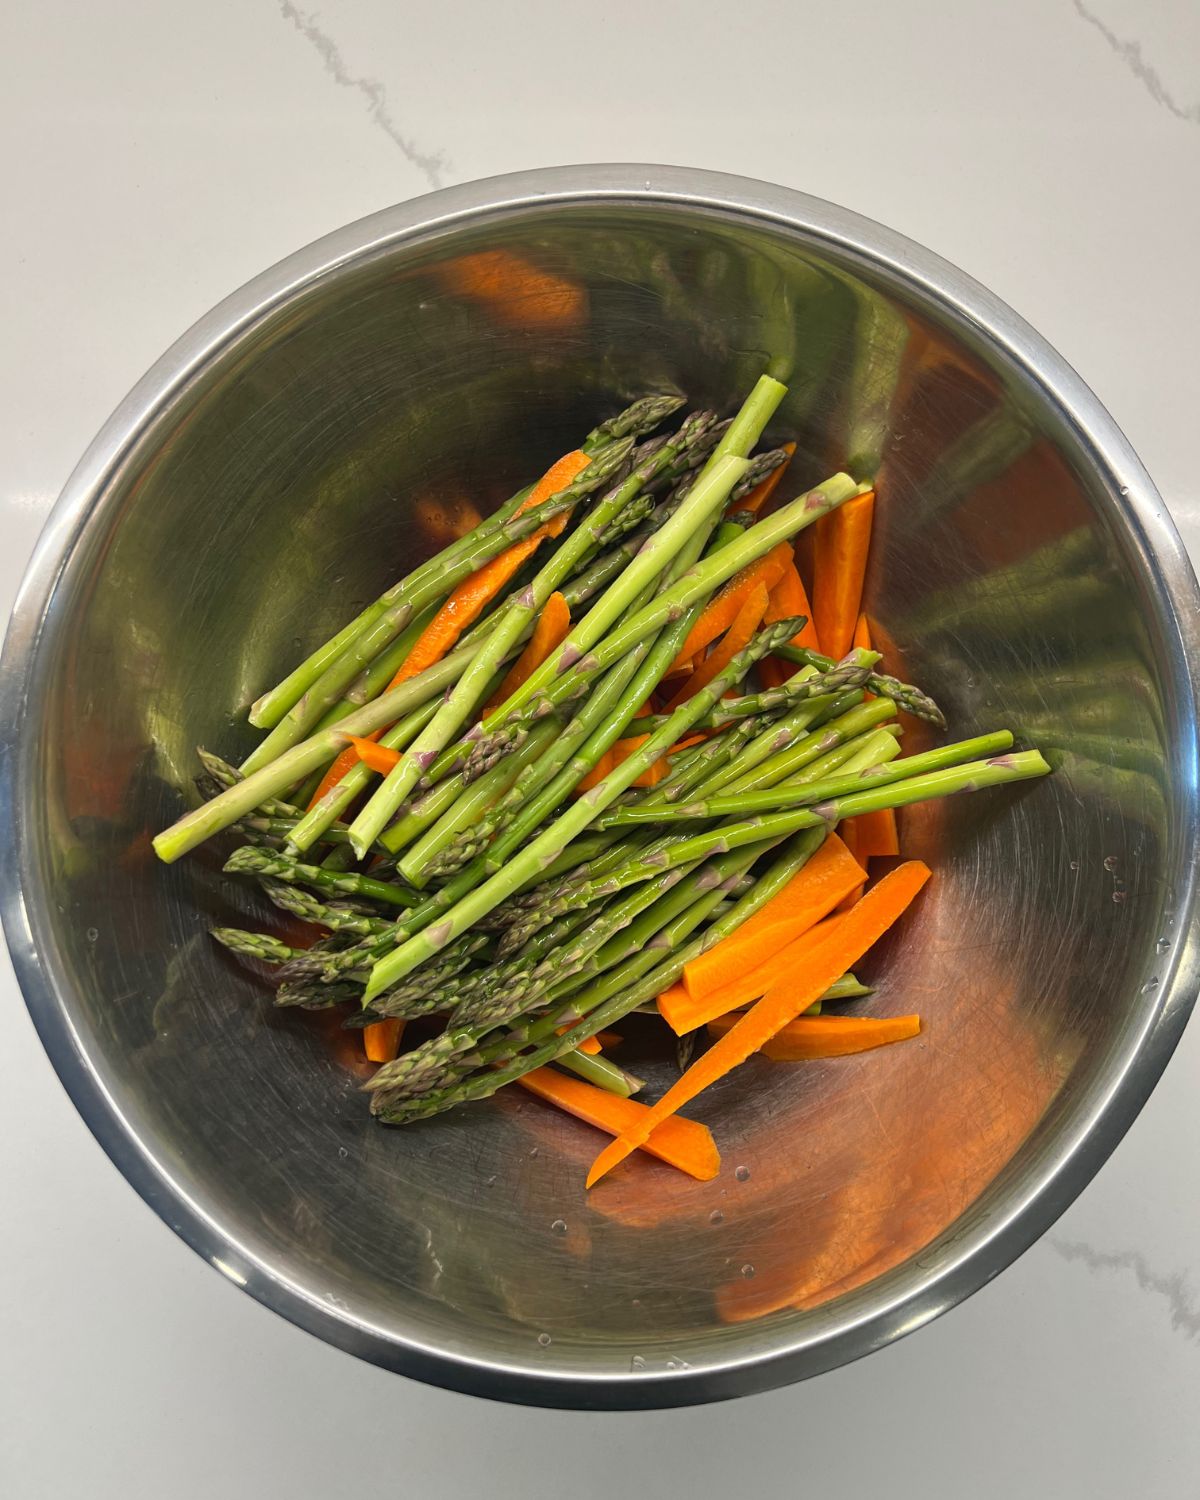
[
  {"x": 789, "y": 598},
  {"x": 685, "y": 1144},
  {"x": 843, "y": 539},
  {"x": 719, "y": 614},
  {"x": 827, "y": 1036},
  {"x": 684, "y": 1012},
  {"x": 735, "y": 639},
  {"x": 551, "y": 630},
  {"x": 792, "y": 898},
  {"x": 467, "y": 601},
  {"x": 813, "y": 892},
  {"x": 762, "y": 492},
  {"x": 848, "y": 939},
  {"x": 378, "y": 757},
  {"x": 381, "y": 1040}
]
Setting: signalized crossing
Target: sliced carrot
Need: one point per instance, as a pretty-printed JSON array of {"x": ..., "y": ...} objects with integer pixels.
[
  {"x": 812, "y": 893},
  {"x": 843, "y": 540},
  {"x": 597, "y": 774},
  {"x": 765, "y": 488},
  {"x": 515, "y": 290},
  {"x": 789, "y": 597},
  {"x": 553, "y": 625},
  {"x": 847, "y": 940},
  {"x": 381, "y": 1040},
  {"x": 735, "y": 639},
  {"x": 378, "y": 757},
  {"x": 720, "y": 612},
  {"x": 609, "y": 1038},
  {"x": 828, "y": 1036},
  {"x": 685, "y": 1144},
  {"x": 468, "y": 599}
]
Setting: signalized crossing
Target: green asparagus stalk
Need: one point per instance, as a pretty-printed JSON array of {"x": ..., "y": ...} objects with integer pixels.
[
  {"x": 974, "y": 776},
  {"x": 305, "y": 905},
  {"x": 788, "y": 795},
  {"x": 906, "y": 697},
  {"x": 259, "y": 946},
  {"x": 829, "y": 736},
  {"x": 468, "y": 808},
  {"x": 251, "y": 861},
  {"x": 248, "y": 794}
]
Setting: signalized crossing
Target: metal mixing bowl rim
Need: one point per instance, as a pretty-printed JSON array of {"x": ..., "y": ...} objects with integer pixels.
[{"x": 971, "y": 1252}]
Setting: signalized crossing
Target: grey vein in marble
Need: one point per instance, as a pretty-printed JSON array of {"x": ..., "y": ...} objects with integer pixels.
[
  {"x": 1185, "y": 1310},
  {"x": 1130, "y": 54},
  {"x": 431, "y": 165}
]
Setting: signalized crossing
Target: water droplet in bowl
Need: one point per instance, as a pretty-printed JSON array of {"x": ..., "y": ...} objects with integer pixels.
[
  {"x": 92, "y": 934},
  {"x": 1110, "y": 862},
  {"x": 747, "y": 1270},
  {"x": 716, "y": 1217},
  {"x": 742, "y": 1174},
  {"x": 559, "y": 1226},
  {"x": 1118, "y": 897},
  {"x": 1163, "y": 944},
  {"x": 544, "y": 1340},
  {"x": 637, "y": 1363}
]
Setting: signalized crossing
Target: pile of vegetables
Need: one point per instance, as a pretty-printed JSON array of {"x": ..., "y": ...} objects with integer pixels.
[{"x": 589, "y": 761}]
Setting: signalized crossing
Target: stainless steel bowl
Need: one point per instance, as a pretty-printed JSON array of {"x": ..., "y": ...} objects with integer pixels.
[{"x": 260, "y": 480}]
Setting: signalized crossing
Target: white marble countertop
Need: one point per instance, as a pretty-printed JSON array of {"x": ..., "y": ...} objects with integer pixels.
[{"x": 158, "y": 156}]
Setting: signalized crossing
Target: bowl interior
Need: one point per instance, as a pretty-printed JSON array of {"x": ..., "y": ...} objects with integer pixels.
[{"x": 279, "y": 489}]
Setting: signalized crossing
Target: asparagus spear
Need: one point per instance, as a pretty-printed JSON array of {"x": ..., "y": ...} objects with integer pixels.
[
  {"x": 787, "y": 794},
  {"x": 251, "y": 861},
  {"x": 305, "y": 905},
  {"x": 907, "y": 697},
  {"x": 238, "y": 800}
]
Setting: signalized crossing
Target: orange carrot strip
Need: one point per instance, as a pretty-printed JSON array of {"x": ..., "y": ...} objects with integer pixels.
[
  {"x": 597, "y": 774},
  {"x": 765, "y": 488},
  {"x": 685, "y": 1144},
  {"x": 468, "y": 599},
  {"x": 849, "y": 938},
  {"x": 378, "y": 757},
  {"x": 828, "y": 1036},
  {"x": 381, "y": 1040},
  {"x": 720, "y": 612},
  {"x": 789, "y": 598},
  {"x": 553, "y": 625},
  {"x": 843, "y": 539},
  {"x": 813, "y": 892},
  {"x": 735, "y": 639}
]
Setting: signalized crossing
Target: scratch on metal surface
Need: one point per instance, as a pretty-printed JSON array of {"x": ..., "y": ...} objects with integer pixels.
[
  {"x": 431, "y": 164},
  {"x": 1131, "y": 55},
  {"x": 1185, "y": 1310}
]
